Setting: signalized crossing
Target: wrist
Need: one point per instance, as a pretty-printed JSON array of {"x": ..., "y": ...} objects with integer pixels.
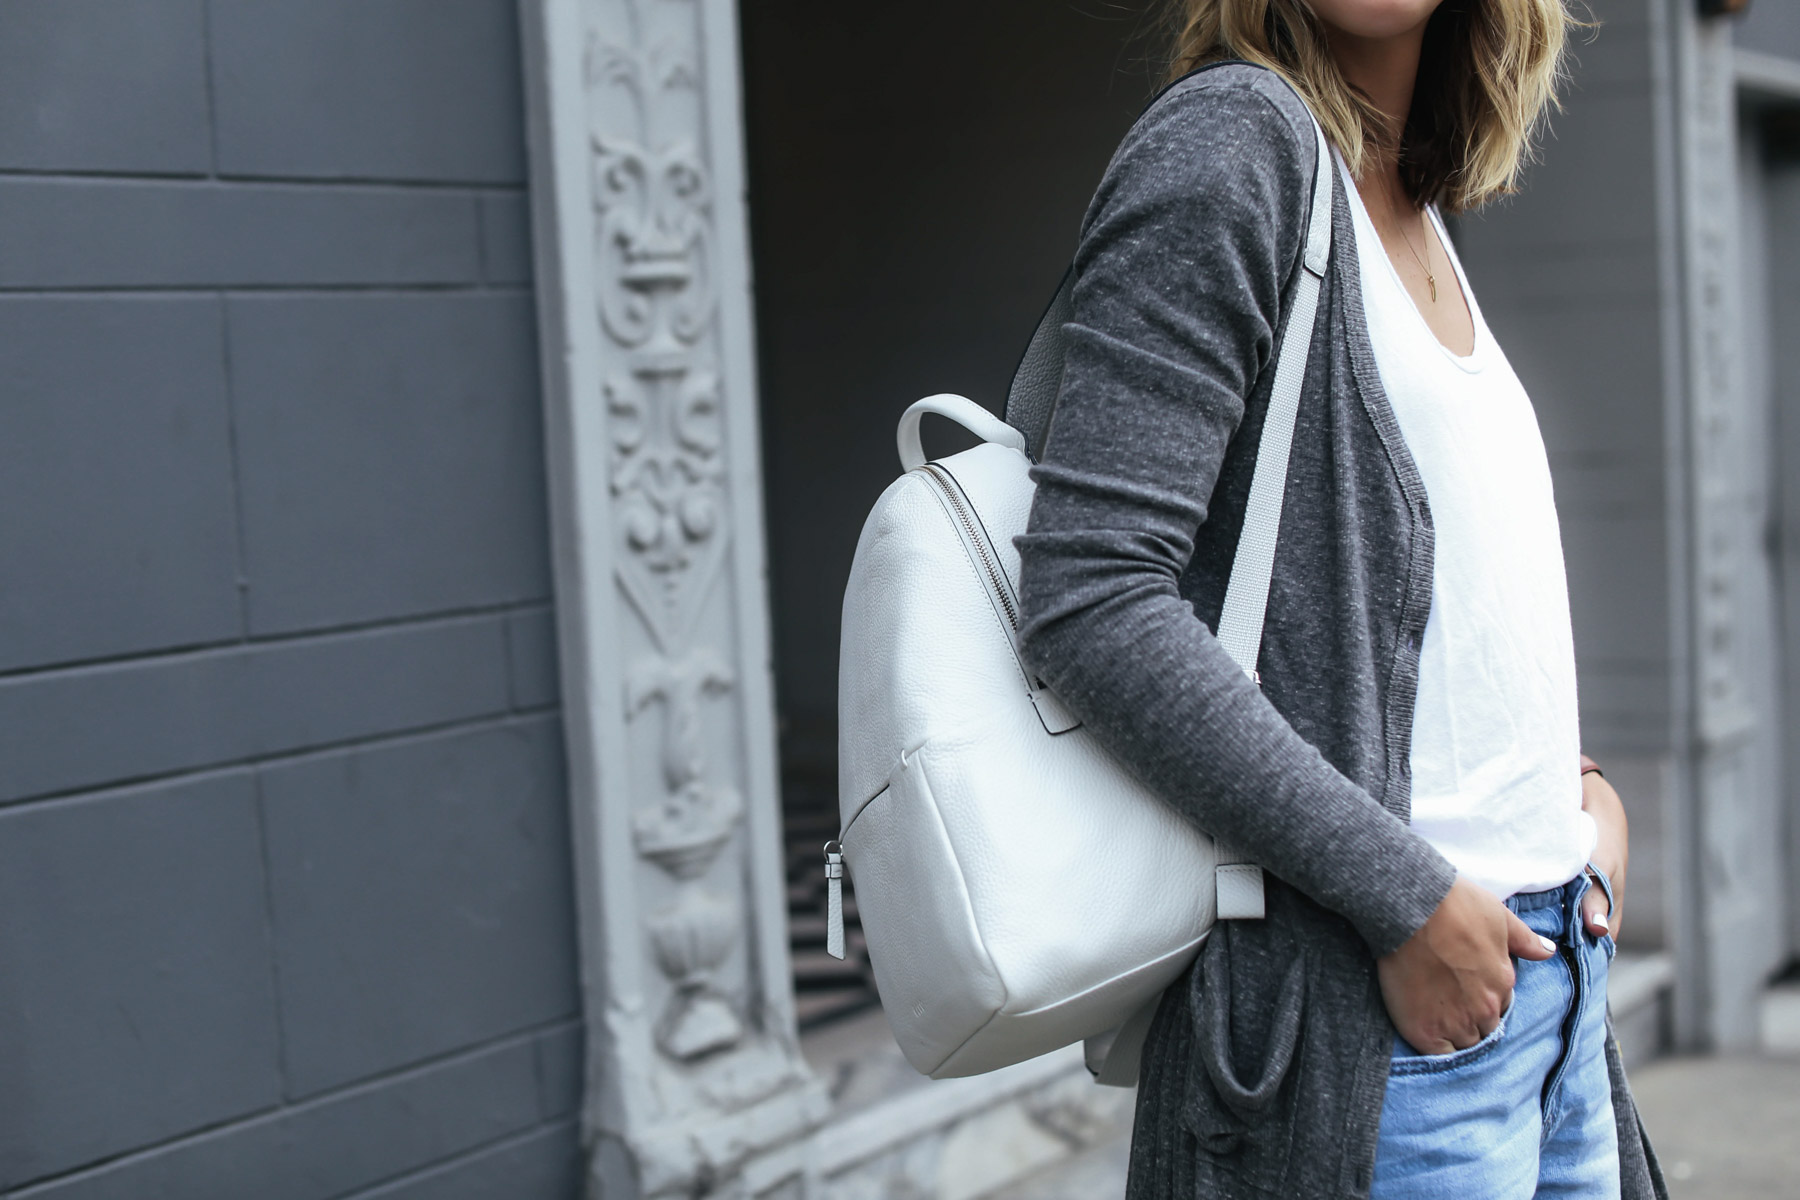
[
  {"x": 1601, "y": 805},
  {"x": 1407, "y": 913}
]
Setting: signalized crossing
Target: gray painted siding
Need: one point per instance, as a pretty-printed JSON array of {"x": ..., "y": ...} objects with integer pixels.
[
  {"x": 1772, "y": 27},
  {"x": 117, "y": 489},
  {"x": 105, "y": 85},
  {"x": 283, "y": 844},
  {"x": 366, "y": 471}
]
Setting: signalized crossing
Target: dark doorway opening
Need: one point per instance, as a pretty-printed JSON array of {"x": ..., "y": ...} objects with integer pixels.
[
  {"x": 917, "y": 178},
  {"x": 1772, "y": 231}
]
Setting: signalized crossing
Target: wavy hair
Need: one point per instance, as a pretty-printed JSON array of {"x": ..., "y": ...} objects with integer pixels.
[{"x": 1487, "y": 79}]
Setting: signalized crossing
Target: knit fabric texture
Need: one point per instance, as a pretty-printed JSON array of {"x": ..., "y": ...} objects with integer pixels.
[{"x": 1266, "y": 1065}]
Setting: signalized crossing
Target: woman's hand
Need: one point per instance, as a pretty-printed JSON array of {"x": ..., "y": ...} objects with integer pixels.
[
  {"x": 1448, "y": 985},
  {"x": 1612, "y": 854}
]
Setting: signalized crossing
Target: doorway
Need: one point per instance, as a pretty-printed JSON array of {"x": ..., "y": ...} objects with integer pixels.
[
  {"x": 1777, "y": 179},
  {"x": 917, "y": 178},
  {"x": 1760, "y": 878}
]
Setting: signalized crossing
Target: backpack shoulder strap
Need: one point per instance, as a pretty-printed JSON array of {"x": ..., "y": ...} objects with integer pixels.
[
  {"x": 1247, "y": 595},
  {"x": 1032, "y": 397}
]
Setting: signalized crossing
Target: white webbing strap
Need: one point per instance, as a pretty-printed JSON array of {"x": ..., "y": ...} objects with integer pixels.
[
  {"x": 1247, "y": 595},
  {"x": 1240, "y": 892}
]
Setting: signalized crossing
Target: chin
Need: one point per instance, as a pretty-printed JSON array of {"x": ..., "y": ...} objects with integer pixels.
[{"x": 1374, "y": 18}]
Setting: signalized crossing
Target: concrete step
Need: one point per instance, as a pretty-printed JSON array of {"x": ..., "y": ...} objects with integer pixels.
[
  {"x": 894, "y": 1133},
  {"x": 1094, "y": 1174},
  {"x": 1724, "y": 1127},
  {"x": 1640, "y": 990},
  {"x": 1781, "y": 1020}
]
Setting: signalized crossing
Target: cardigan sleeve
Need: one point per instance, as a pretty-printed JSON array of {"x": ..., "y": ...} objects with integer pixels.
[{"x": 1183, "y": 255}]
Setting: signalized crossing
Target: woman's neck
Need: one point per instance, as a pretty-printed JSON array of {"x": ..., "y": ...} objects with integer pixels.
[{"x": 1385, "y": 69}]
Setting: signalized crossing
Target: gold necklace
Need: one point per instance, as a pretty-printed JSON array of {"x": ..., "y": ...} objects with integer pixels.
[{"x": 1423, "y": 266}]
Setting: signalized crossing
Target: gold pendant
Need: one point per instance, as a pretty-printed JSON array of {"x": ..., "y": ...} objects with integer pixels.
[{"x": 1432, "y": 280}]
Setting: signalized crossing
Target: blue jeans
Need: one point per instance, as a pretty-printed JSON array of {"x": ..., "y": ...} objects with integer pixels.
[{"x": 1526, "y": 1111}]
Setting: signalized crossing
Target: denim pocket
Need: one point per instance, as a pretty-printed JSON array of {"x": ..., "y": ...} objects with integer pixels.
[{"x": 1407, "y": 1061}]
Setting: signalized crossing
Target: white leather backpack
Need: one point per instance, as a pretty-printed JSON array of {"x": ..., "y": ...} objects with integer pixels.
[{"x": 1019, "y": 890}]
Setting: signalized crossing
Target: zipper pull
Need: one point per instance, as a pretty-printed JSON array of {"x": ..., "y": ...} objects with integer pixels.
[{"x": 834, "y": 899}]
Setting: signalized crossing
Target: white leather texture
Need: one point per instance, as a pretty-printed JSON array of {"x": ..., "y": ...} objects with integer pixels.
[{"x": 1018, "y": 889}]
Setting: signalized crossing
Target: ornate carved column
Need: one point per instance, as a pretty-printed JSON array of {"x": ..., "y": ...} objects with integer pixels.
[{"x": 694, "y": 1083}]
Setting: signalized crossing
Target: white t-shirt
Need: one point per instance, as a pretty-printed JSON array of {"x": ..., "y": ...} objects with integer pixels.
[{"x": 1496, "y": 733}]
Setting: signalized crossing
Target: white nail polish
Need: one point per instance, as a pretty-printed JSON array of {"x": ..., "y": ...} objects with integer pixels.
[{"x": 1548, "y": 944}]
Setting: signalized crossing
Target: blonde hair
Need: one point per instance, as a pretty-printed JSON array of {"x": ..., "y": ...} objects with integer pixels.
[{"x": 1487, "y": 77}]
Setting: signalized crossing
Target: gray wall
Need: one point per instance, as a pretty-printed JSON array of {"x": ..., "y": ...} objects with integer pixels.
[
  {"x": 1772, "y": 27},
  {"x": 285, "y": 901}
]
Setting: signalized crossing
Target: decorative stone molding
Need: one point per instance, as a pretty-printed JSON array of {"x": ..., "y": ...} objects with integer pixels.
[
  {"x": 1716, "y": 427},
  {"x": 694, "y": 1083},
  {"x": 683, "y": 833}
]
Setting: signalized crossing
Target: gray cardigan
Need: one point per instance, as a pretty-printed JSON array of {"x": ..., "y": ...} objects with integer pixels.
[{"x": 1266, "y": 1065}]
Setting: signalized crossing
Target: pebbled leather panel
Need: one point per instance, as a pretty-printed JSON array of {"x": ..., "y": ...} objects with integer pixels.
[
  {"x": 1014, "y": 1037},
  {"x": 1074, "y": 870},
  {"x": 922, "y": 645},
  {"x": 937, "y": 983}
]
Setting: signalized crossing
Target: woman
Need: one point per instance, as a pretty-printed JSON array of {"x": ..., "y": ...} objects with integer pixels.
[{"x": 1422, "y": 1011}]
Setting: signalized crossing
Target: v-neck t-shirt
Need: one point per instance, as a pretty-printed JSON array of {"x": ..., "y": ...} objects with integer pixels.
[{"x": 1496, "y": 732}]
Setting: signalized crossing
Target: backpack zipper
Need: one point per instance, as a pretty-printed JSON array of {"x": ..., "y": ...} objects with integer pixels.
[
  {"x": 986, "y": 561},
  {"x": 977, "y": 538}
]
